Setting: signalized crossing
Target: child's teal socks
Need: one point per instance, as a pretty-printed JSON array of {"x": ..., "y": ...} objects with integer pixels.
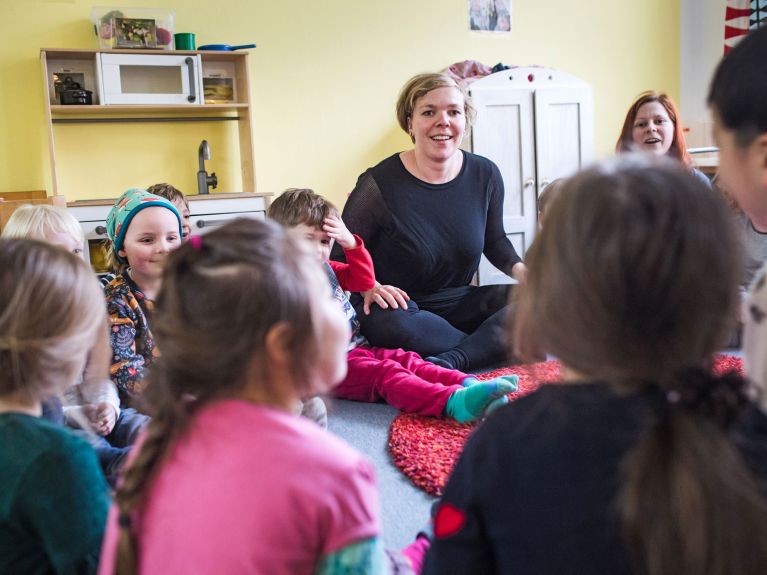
[{"x": 475, "y": 397}]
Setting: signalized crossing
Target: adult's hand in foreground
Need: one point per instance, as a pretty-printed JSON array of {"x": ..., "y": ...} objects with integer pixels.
[{"x": 385, "y": 296}]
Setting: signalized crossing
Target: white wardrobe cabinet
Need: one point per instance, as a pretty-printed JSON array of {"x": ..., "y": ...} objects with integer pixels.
[{"x": 536, "y": 124}]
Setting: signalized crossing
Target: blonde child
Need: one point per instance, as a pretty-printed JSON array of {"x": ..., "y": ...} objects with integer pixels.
[
  {"x": 52, "y": 224},
  {"x": 53, "y": 498},
  {"x": 736, "y": 99},
  {"x": 56, "y": 226},
  {"x": 143, "y": 229},
  {"x": 93, "y": 404},
  {"x": 403, "y": 379},
  {"x": 228, "y": 479},
  {"x": 641, "y": 460}
]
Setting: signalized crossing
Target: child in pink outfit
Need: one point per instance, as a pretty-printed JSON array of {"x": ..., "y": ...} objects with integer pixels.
[
  {"x": 226, "y": 478},
  {"x": 403, "y": 379}
]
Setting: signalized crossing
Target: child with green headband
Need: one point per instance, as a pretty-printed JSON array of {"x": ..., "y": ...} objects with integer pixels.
[{"x": 143, "y": 229}]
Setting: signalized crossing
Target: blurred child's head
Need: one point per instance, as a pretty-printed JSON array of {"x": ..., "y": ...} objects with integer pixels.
[
  {"x": 52, "y": 224},
  {"x": 547, "y": 196},
  {"x": 143, "y": 229},
  {"x": 652, "y": 125},
  {"x": 739, "y": 111},
  {"x": 51, "y": 311},
  {"x": 244, "y": 301},
  {"x": 303, "y": 210},
  {"x": 634, "y": 275},
  {"x": 175, "y": 197}
]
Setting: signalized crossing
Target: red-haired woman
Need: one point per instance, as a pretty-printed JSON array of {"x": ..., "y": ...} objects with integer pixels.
[{"x": 652, "y": 125}]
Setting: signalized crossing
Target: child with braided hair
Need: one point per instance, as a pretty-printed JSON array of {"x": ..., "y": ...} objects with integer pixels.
[
  {"x": 227, "y": 479},
  {"x": 403, "y": 379},
  {"x": 641, "y": 460},
  {"x": 53, "y": 497}
]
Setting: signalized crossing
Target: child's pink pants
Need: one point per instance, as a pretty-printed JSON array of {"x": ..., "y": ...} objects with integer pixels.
[{"x": 401, "y": 378}]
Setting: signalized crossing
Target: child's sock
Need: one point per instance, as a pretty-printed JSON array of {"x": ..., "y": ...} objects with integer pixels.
[
  {"x": 469, "y": 381},
  {"x": 470, "y": 403},
  {"x": 495, "y": 404}
]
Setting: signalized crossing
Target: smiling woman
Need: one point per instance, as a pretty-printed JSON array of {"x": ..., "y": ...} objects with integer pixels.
[
  {"x": 652, "y": 125},
  {"x": 427, "y": 215}
]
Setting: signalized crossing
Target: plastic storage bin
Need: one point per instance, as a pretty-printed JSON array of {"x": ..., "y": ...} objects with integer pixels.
[{"x": 140, "y": 28}]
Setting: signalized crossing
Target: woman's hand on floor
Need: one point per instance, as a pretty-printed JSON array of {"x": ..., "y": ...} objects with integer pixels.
[{"x": 385, "y": 296}]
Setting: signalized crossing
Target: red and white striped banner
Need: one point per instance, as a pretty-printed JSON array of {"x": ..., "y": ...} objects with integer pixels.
[{"x": 740, "y": 16}]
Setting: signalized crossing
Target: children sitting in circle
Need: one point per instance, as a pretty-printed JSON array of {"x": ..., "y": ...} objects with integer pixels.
[
  {"x": 143, "y": 229},
  {"x": 403, "y": 379},
  {"x": 53, "y": 497},
  {"x": 92, "y": 404},
  {"x": 228, "y": 479}
]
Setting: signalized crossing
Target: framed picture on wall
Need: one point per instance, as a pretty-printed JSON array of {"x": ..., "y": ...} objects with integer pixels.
[{"x": 490, "y": 15}]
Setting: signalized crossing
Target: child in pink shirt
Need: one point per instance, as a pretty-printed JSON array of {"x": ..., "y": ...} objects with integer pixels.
[
  {"x": 227, "y": 479},
  {"x": 403, "y": 379}
]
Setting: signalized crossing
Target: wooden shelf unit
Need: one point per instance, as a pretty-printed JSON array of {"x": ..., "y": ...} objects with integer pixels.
[{"x": 240, "y": 110}]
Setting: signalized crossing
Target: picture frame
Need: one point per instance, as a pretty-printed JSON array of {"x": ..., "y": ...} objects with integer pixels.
[{"x": 135, "y": 33}]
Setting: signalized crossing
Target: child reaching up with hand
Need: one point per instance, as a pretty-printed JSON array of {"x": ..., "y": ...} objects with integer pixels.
[
  {"x": 143, "y": 229},
  {"x": 403, "y": 379},
  {"x": 227, "y": 478}
]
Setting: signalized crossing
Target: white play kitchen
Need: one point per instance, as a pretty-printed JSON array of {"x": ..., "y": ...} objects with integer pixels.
[{"x": 153, "y": 87}]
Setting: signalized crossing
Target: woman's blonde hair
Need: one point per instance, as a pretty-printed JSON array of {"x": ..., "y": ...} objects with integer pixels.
[
  {"x": 222, "y": 293},
  {"x": 34, "y": 221},
  {"x": 420, "y": 85},
  {"x": 51, "y": 309}
]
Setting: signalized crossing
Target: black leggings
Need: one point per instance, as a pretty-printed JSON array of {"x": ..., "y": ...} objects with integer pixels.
[{"x": 470, "y": 320}]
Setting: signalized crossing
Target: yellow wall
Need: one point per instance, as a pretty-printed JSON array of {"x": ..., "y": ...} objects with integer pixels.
[{"x": 324, "y": 79}]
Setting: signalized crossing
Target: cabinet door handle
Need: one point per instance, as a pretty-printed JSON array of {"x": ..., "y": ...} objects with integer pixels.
[
  {"x": 101, "y": 230},
  {"x": 208, "y": 223},
  {"x": 189, "y": 61},
  {"x": 544, "y": 183},
  {"x": 529, "y": 182}
]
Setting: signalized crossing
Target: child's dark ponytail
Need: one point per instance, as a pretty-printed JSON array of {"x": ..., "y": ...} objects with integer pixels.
[
  {"x": 689, "y": 503},
  {"x": 634, "y": 277}
]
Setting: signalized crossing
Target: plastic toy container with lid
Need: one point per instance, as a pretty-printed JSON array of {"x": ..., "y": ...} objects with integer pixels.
[{"x": 138, "y": 28}]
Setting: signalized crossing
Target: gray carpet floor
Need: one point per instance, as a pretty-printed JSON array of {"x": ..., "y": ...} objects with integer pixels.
[{"x": 404, "y": 508}]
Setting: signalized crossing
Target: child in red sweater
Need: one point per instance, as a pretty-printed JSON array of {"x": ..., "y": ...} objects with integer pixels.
[{"x": 401, "y": 378}]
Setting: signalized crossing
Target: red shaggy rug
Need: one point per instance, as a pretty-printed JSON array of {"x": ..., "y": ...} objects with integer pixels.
[{"x": 425, "y": 449}]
